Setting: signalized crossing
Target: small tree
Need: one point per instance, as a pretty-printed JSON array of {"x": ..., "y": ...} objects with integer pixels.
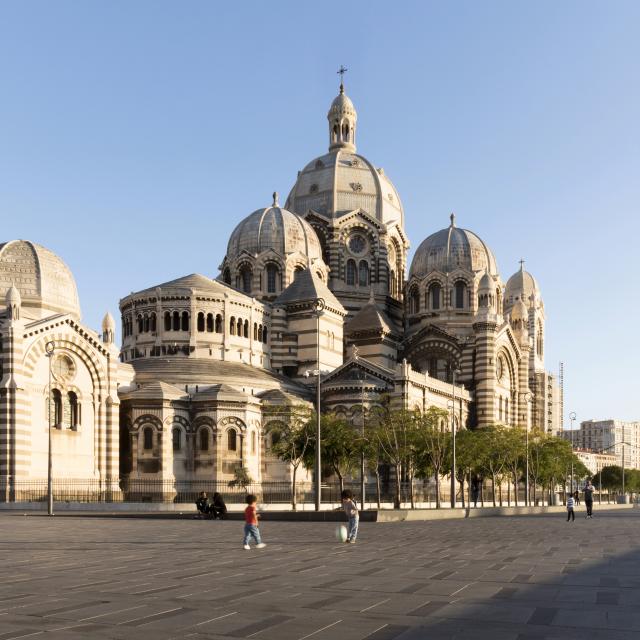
[
  {"x": 241, "y": 478},
  {"x": 515, "y": 452},
  {"x": 494, "y": 460}
]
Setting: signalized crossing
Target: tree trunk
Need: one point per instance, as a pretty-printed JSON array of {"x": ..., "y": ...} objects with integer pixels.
[
  {"x": 294, "y": 504},
  {"x": 508, "y": 492},
  {"x": 437, "y": 478},
  {"x": 378, "y": 489},
  {"x": 500, "y": 492},
  {"x": 493, "y": 488},
  {"x": 515, "y": 486},
  {"x": 411, "y": 496},
  {"x": 341, "y": 480},
  {"x": 462, "y": 491},
  {"x": 396, "y": 497}
]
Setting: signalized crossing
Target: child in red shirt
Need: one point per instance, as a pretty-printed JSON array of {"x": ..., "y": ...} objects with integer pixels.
[{"x": 251, "y": 524}]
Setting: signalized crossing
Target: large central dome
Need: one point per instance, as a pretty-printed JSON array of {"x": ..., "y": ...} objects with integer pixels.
[
  {"x": 343, "y": 181},
  {"x": 43, "y": 279},
  {"x": 452, "y": 248}
]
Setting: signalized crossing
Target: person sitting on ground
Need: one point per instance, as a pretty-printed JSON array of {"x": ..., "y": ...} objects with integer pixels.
[
  {"x": 202, "y": 504},
  {"x": 218, "y": 508}
]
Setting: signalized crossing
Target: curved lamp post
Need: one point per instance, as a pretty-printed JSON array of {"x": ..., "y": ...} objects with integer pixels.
[
  {"x": 572, "y": 417},
  {"x": 456, "y": 372},
  {"x": 318, "y": 307},
  {"x": 49, "y": 350},
  {"x": 527, "y": 398}
]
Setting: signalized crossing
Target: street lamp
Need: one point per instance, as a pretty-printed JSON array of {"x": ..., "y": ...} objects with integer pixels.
[
  {"x": 318, "y": 307},
  {"x": 456, "y": 372},
  {"x": 362, "y": 469},
  {"x": 572, "y": 417},
  {"x": 49, "y": 349},
  {"x": 527, "y": 399}
]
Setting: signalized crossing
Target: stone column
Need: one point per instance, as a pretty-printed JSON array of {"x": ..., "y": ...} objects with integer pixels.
[{"x": 485, "y": 330}]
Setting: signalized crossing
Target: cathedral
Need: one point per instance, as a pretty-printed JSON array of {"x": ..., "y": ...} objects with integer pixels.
[{"x": 317, "y": 289}]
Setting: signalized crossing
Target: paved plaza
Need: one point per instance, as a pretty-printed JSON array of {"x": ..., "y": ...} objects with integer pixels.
[{"x": 506, "y": 578}]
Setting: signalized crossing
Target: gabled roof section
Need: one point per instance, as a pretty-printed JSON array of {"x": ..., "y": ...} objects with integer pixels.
[
  {"x": 355, "y": 370},
  {"x": 221, "y": 392},
  {"x": 431, "y": 330},
  {"x": 369, "y": 320},
  {"x": 308, "y": 287}
]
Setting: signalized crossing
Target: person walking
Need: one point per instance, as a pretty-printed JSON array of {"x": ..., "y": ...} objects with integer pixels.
[
  {"x": 570, "y": 504},
  {"x": 351, "y": 512},
  {"x": 251, "y": 524},
  {"x": 588, "y": 498}
]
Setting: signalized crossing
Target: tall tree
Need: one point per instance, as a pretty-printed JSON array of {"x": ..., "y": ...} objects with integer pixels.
[
  {"x": 291, "y": 430},
  {"x": 432, "y": 443}
]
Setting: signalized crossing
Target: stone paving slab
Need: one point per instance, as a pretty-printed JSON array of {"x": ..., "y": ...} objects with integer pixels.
[{"x": 516, "y": 578}]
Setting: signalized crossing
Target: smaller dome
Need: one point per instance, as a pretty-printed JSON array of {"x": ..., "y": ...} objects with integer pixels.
[
  {"x": 521, "y": 285},
  {"x": 452, "y": 248},
  {"x": 277, "y": 229},
  {"x": 108, "y": 323},
  {"x": 342, "y": 105},
  {"x": 13, "y": 296},
  {"x": 44, "y": 281}
]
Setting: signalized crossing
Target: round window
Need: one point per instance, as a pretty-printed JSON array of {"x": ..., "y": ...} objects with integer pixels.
[
  {"x": 357, "y": 244},
  {"x": 63, "y": 368}
]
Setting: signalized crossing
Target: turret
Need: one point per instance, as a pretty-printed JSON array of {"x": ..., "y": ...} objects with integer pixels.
[
  {"x": 342, "y": 119},
  {"x": 108, "y": 328},
  {"x": 13, "y": 301}
]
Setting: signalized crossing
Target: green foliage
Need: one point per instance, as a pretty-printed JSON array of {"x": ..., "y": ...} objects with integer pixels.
[{"x": 241, "y": 478}]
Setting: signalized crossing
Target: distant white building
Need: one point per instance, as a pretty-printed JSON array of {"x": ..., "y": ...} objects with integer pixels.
[
  {"x": 594, "y": 460},
  {"x": 615, "y": 437}
]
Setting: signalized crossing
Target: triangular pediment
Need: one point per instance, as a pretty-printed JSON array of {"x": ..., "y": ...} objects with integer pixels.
[
  {"x": 358, "y": 214},
  {"x": 355, "y": 372},
  {"x": 431, "y": 331}
]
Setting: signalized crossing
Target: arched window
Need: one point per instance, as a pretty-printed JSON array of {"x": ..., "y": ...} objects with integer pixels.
[
  {"x": 185, "y": 321},
  {"x": 255, "y": 330},
  {"x": 140, "y": 324},
  {"x": 226, "y": 276},
  {"x": 232, "y": 326},
  {"x": 204, "y": 440},
  {"x": 414, "y": 300},
  {"x": 239, "y": 328},
  {"x": 210, "y": 322},
  {"x": 147, "y": 438},
  {"x": 246, "y": 329},
  {"x": 57, "y": 407},
  {"x": 74, "y": 410},
  {"x": 176, "y": 321},
  {"x": 460, "y": 289},
  {"x": 253, "y": 442},
  {"x": 260, "y": 333},
  {"x": 218, "y": 323},
  {"x": 245, "y": 278},
  {"x": 145, "y": 323},
  {"x": 272, "y": 277},
  {"x": 335, "y": 132},
  {"x": 296, "y": 272},
  {"x": 176, "y": 435},
  {"x": 392, "y": 283},
  {"x": 152, "y": 322},
  {"x": 201, "y": 321},
  {"x": 363, "y": 271},
  {"x": 232, "y": 440},
  {"x": 434, "y": 294},
  {"x": 351, "y": 272},
  {"x": 264, "y": 335},
  {"x": 167, "y": 320}
]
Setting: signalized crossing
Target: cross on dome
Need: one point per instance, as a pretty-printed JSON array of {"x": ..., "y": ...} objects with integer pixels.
[
  {"x": 341, "y": 71},
  {"x": 521, "y": 264}
]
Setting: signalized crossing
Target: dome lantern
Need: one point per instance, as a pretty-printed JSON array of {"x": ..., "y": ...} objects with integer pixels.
[
  {"x": 342, "y": 119},
  {"x": 13, "y": 302}
]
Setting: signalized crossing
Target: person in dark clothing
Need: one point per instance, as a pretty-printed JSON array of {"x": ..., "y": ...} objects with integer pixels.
[
  {"x": 218, "y": 508},
  {"x": 202, "y": 505},
  {"x": 588, "y": 498},
  {"x": 576, "y": 497}
]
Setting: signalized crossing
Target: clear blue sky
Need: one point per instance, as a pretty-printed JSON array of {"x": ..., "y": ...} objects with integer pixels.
[{"x": 135, "y": 135}]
